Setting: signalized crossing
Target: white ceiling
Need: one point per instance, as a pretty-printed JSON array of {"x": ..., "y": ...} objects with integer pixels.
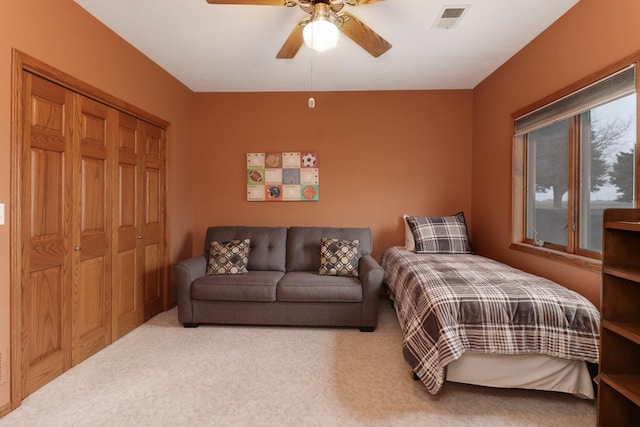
[{"x": 232, "y": 48}]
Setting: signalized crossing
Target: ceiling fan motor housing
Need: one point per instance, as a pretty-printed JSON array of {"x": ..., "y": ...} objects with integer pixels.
[{"x": 327, "y": 13}]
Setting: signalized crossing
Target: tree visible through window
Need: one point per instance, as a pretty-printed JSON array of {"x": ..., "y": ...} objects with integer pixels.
[
  {"x": 622, "y": 176},
  {"x": 611, "y": 131},
  {"x": 548, "y": 154}
]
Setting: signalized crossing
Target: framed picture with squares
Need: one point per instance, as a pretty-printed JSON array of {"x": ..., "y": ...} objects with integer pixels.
[{"x": 283, "y": 176}]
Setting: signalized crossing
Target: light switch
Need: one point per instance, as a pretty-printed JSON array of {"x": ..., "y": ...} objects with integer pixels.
[{"x": 1, "y": 213}]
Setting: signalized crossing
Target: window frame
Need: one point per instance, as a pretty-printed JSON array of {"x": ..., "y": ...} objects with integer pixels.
[{"x": 519, "y": 173}]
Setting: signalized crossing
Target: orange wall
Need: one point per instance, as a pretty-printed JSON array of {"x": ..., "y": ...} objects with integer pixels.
[
  {"x": 381, "y": 154},
  {"x": 591, "y": 36},
  {"x": 63, "y": 35}
]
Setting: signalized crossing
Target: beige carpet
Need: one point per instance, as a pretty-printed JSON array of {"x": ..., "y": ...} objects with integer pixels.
[{"x": 164, "y": 375}]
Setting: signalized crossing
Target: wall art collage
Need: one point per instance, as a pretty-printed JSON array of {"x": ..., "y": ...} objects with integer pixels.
[{"x": 288, "y": 176}]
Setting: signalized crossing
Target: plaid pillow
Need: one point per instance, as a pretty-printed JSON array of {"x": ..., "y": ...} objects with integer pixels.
[
  {"x": 440, "y": 235},
  {"x": 339, "y": 257},
  {"x": 228, "y": 257}
]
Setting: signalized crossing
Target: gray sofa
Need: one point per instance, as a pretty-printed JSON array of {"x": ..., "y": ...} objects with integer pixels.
[{"x": 282, "y": 286}]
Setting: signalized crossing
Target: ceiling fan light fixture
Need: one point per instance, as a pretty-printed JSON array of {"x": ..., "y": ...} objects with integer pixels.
[{"x": 321, "y": 33}]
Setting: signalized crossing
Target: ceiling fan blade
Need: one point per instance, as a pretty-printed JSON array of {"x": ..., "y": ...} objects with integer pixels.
[
  {"x": 251, "y": 2},
  {"x": 368, "y": 39},
  {"x": 292, "y": 45}
]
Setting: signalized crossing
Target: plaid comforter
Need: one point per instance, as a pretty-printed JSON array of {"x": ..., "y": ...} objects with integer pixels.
[{"x": 449, "y": 304}]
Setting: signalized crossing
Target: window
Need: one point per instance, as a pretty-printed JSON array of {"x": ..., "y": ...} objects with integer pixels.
[{"x": 575, "y": 158}]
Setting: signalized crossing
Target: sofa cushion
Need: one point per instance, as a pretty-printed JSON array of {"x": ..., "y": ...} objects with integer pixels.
[
  {"x": 303, "y": 244},
  {"x": 308, "y": 286},
  {"x": 339, "y": 257},
  {"x": 253, "y": 286},
  {"x": 267, "y": 248},
  {"x": 228, "y": 257}
]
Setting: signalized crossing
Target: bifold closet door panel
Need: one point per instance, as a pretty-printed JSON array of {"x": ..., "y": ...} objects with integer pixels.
[
  {"x": 128, "y": 303},
  {"x": 153, "y": 233},
  {"x": 46, "y": 228},
  {"x": 91, "y": 321}
]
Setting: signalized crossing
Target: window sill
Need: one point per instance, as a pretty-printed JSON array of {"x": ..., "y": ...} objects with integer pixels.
[{"x": 575, "y": 260}]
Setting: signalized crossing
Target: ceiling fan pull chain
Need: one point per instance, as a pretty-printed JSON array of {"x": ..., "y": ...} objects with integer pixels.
[{"x": 311, "y": 102}]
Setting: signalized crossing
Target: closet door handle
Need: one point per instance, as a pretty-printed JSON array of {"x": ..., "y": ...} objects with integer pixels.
[
  {"x": 77, "y": 248},
  {"x": 139, "y": 236}
]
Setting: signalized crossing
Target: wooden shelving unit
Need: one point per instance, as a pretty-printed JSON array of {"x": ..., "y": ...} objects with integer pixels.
[{"x": 619, "y": 378}]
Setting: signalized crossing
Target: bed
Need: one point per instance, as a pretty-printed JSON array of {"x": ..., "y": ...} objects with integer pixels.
[{"x": 466, "y": 318}]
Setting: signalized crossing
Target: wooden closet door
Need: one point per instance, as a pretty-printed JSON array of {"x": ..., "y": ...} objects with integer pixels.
[
  {"x": 128, "y": 303},
  {"x": 91, "y": 319},
  {"x": 46, "y": 206},
  {"x": 90, "y": 229},
  {"x": 153, "y": 226}
]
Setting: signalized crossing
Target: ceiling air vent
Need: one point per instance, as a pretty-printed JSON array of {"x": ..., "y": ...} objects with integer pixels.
[{"x": 450, "y": 16}]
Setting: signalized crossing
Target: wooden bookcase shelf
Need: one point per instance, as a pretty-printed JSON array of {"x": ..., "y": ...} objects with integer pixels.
[
  {"x": 629, "y": 273},
  {"x": 619, "y": 377},
  {"x": 630, "y": 331},
  {"x": 626, "y": 385},
  {"x": 623, "y": 225}
]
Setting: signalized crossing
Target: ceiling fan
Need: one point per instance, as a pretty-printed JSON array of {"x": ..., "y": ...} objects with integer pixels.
[{"x": 323, "y": 10}]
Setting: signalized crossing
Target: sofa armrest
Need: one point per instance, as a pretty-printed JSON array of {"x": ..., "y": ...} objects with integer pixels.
[
  {"x": 185, "y": 273},
  {"x": 371, "y": 275}
]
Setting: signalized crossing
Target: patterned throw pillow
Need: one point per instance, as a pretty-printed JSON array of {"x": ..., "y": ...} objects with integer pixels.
[
  {"x": 228, "y": 257},
  {"x": 440, "y": 235},
  {"x": 339, "y": 257}
]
